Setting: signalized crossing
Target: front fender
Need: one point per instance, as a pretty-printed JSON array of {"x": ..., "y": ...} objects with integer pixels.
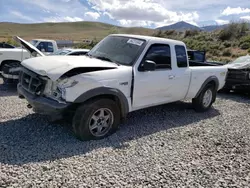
[{"x": 100, "y": 91}]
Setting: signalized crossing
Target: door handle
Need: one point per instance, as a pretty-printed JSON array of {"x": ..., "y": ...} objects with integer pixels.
[{"x": 171, "y": 77}]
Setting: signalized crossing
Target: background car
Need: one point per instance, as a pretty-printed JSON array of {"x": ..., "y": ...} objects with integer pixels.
[{"x": 6, "y": 45}]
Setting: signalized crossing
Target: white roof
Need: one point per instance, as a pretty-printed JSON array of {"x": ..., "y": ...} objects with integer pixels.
[
  {"x": 46, "y": 40},
  {"x": 150, "y": 38}
]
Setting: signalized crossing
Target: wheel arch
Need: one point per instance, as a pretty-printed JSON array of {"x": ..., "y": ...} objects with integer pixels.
[
  {"x": 8, "y": 61},
  {"x": 105, "y": 92},
  {"x": 210, "y": 80}
]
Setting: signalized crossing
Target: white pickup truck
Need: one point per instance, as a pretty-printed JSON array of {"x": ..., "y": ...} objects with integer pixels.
[
  {"x": 10, "y": 58},
  {"x": 121, "y": 74}
]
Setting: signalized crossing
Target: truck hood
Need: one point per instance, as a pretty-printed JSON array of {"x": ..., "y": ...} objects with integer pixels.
[
  {"x": 56, "y": 66},
  {"x": 244, "y": 65},
  {"x": 29, "y": 47}
]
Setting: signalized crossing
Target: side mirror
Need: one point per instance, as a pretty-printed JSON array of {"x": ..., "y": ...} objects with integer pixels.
[
  {"x": 42, "y": 50},
  {"x": 148, "y": 66}
]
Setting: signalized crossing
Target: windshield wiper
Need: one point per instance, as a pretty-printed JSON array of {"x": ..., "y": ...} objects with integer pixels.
[{"x": 105, "y": 59}]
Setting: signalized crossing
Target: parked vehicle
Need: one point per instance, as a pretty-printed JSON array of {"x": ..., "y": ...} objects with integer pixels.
[
  {"x": 6, "y": 45},
  {"x": 121, "y": 74},
  {"x": 71, "y": 51},
  {"x": 10, "y": 59},
  {"x": 198, "y": 58},
  {"x": 238, "y": 77}
]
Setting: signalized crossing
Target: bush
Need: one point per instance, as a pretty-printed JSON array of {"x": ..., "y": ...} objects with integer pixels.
[
  {"x": 234, "y": 30},
  {"x": 87, "y": 46},
  {"x": 227, "y": 53},
  {"x": 214, "y": 52},
  {"x": 248, "y": 50},
  {"x": 158, "y": 33},
  {"x": 170, "y": 32},
  {"x": 227, "y": 44},
  {"x": 190, "y": 33},
  {"x": 12, "y": 42},
  {"x": 245, "y": 45}
]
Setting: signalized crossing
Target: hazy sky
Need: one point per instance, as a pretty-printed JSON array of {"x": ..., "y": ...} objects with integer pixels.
[{"x": 146, "y": 13}]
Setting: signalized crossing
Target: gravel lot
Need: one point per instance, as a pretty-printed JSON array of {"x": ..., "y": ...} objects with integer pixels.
[{"x": 166, "y": 146}]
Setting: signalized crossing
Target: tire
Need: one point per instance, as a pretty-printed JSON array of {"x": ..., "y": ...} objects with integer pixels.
[
  {"x": 90, "y": 114},
  {"x": 7, "y": 80},
  {"x": 200, "y": 104}
]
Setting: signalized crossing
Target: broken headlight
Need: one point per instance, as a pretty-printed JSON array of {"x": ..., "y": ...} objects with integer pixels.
[{"x": 65, "y": 83}]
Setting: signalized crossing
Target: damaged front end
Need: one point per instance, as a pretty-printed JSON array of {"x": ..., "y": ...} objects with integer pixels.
[
  {"x": 48, "y": 96},
  {"x": 238, "y": 79},
  {"x": 41, "y": 93}
]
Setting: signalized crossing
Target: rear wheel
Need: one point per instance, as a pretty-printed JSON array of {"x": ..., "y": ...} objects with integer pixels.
[
  {"x": 205, "y": 99},
  {"x": 96, "y": 119}
]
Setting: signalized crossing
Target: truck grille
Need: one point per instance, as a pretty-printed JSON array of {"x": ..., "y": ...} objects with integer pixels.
[
  {"x": 31, "y": 82},
  {"x": 234, "y": 74}
]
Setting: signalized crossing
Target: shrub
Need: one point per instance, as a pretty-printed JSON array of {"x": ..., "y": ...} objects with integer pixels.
[
  {"x": 245, "y": 45},
  {"x": 12, "y": 42},
  {"x": 245, "y": 39},
  {"x": 170, "y": 32},
  {"x": 227, "y": 53},
  {"x": 190, "y": 33},
  {"x": 158, "y": 33},
  {"x": 234, "y": 30},
  {"x": 227, "y": 44},
  {"x": 214, "y": 52},
  {"x": 248, "y": 50}
]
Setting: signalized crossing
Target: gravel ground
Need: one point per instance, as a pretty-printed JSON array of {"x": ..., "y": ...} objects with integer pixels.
[{"x": 166, "y": 146}]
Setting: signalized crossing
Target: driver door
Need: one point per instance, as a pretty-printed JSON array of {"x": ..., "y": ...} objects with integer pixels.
[{"x": 154, "y": 87}]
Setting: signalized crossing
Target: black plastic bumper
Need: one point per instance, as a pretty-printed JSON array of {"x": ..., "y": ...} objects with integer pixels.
[
  {"x": 236, "y": 85},
  {"x": 43, "y": 105}
]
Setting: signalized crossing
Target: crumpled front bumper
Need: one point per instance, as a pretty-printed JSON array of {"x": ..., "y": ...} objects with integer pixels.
[
  {"x": 237, "y": 85},
  {"x": 43, "y": 105}
]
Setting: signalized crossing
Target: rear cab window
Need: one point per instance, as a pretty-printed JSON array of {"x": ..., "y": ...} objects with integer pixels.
[
  {"x": 181, "y": 56},
  {"x": 45, "y": 46}
]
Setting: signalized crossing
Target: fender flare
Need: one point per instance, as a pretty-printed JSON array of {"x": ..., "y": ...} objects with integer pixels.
[
  {"x": 105, "y": 91},
  {"x": 209, "y": 79},
  {"x": 8, "y": 61}
]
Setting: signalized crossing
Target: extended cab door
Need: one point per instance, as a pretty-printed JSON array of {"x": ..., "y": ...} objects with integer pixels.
[{"x": 167, "y": 83}]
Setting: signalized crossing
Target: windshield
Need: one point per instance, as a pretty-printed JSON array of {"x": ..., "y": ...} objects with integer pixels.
[
  {"x": 60, "y": 52},
  {"x": 244, "y": 59},
  {"x": 118, "y": 49},
  {"x": 33, "y": 42}
]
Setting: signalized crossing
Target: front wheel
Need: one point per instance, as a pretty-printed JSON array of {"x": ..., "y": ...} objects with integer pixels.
[
  {"x": 96, "y": 119},
  {"x": 205, "y": 99}
]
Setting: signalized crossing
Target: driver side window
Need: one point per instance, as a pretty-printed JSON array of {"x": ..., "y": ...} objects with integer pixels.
[{"x": 160, "y": 54}]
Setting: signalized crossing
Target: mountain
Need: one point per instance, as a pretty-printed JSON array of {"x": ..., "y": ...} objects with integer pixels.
[
  {"x": 182, "y": 26},
  {"x": 179, "y": 26},
  {"x": 76, "y": 31},
  {"x": 213, "y": 27}
]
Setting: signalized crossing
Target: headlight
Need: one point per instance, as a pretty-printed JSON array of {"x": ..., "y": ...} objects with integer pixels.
[{"x": 66, "y": 83}]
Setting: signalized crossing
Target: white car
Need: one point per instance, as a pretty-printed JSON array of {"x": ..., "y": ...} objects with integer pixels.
[
  {"x": 10, "y": 58},
  {"x": 121, "y": 74}
]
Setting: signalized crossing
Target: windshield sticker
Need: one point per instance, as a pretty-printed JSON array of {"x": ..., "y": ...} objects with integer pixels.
[{"x": 135, "y": 42}]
